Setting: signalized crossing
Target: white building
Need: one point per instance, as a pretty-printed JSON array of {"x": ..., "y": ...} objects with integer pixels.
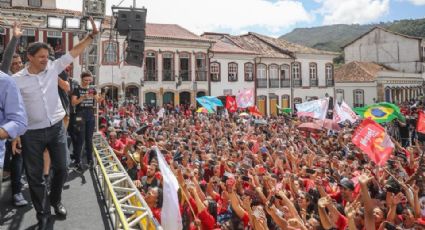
[
  {"x": 381, "y": 66},
  {"x": 277, "y": 62},
  {"x": 33, "y": 16},
  {"x": 364, "y": 83},
  {"x": 398, "y": 51}
]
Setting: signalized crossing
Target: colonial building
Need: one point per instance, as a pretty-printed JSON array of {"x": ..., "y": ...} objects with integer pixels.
[
  {"x": 281, "y": 72},
  {"x": 398, "y": 51},
  {"x": 33, "y": 15},
  {"x": 175, "y": 67},
  {"x": 365, "y": 83},
  {"x": 179, "y": 65},
  {"x": 381, "y": 66}
]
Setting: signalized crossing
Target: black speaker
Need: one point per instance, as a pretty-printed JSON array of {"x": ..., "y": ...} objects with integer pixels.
[
  {"x": 134, "y": 58},
  {"x": 136, "y": 35},
  {"x": 133, "y": 19},
  {"x": 135, "y": 46}
]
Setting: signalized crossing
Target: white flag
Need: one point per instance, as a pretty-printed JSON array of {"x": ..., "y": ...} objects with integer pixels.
[
  {"x": 343, "y": 112},
  {"x": 315, "y": 109},
  {"x": 170, "y": 212}
]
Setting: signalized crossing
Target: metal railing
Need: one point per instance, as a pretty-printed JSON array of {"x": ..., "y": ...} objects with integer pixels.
[
  {"x": 261, "y": 83},
  {"x": 185, "y": 75},
  {"x": 285, "y": 83},
  {"x": 201, "y": 75},
  {"x": 296, "y": 83},
  {"x": 126, "y": 206},
  {"x": 273, "y": 83},
  {"x": 167, "y": 75},
  {"x": 314, "y": 82},
  {"x": 151, "y": 75},
  {"x": 330, "y": 82}
]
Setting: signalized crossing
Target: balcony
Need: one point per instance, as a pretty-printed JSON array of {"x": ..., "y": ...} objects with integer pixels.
[
  {"x": 167, "y": 75},
  {"x": 329, "y": 83},
  {"x": 185, "y": 75},
  {"x": 201, "y": 75},
  {"x": 261, "y": 83},
  {"x": 297, "y": 83},
  {"x": 314, "y": 82},
  {"x": 151, "y": 75},
  {"x": 273, "y": 83},
  {"x": 285, "y": 83}
]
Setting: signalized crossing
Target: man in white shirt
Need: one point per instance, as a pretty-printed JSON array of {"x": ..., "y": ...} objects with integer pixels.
[{"x": 38, "y": 84}]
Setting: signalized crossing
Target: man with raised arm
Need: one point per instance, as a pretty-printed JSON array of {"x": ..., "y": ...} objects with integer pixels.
[{"x": 38, "y": 84}]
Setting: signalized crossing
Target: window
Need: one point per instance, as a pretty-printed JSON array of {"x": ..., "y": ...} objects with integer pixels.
[
  {"x": 313, "y": 74},
  {"x": 329, "y": 72},
  {"x": 358, "y": 98},
  {"x": 215, "y": 71},
  {"x": 339, "y": 95},
  {"x": 273, "y": 76},
  {"x": 423, "y": 53},
  {"x": 284, "y": 76},
  {"x": 110, "y": 53},
  {"x": 298, "y": 100},
  {"x": 34, "y": 3},
  {"x": 249, "y": 71},
  {"x": 184, "y": 66},
  {"x": 167, "y": 67},
  {"x": 233, "y": 71},
  {"x": 6, "y": 2},
  {"x": 150, "y": 66},
  {"x": 261, "y": 76},
  {"x": 201, "y": 71},
  {"x": 296, "y": 70},
  {"x": 296, "y": 74}
]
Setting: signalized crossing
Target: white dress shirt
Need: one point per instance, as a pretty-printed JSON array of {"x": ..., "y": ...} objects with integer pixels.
[{"x": 40, "y": 93}]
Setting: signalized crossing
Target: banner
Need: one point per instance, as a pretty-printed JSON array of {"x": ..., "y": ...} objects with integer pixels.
[
  {"x": 343, "y": 113},
  {"x": 372, "y": 139},
  {"x": 253, "y": 110},
  {"x": 380, "y": 112},
  {"x": 245, "y": 98},
  {"x": 231, "y": 105},
  {"x": 315, "y": 109},
  {"x": 284, "y": 110},
  {"x": 170, "y": 211},
  {"x": 209, "y": 102},
  {"x": 420, "y": 127}
]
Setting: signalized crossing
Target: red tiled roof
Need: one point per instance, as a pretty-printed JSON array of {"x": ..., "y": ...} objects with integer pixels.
[
  {"x": 386, "y": 30},
  {"x": 43, "y": 10},
  {"x": 171, "y": 31},
  {"x": 250, "y": 42},
  {"x": 223, "y": 47},
  {"x": 359, "y": 72},
  {"x": 289, "y": 46}
]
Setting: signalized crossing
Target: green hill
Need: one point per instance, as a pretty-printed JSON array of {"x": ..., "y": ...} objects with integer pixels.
[{"x": 333, "y": 37}]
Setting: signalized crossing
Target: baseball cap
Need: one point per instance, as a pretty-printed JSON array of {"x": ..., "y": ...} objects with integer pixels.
[{"x": 346, "y": 183}]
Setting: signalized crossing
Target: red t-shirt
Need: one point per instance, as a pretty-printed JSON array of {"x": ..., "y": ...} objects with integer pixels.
[{"x": 342, "y": 222}]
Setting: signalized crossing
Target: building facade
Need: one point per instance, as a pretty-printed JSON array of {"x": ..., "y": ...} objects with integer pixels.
[
  {"x": 178, "y": 65},
  {"x": 364, "y": 83},
  {"x": 381, "y": 65},
  {"x": 398, "y": 51}
]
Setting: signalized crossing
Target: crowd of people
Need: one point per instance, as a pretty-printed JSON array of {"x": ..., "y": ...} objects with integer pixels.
[
  {"x": 237, "y": 173},
  {"x": 234, "y": 172}
]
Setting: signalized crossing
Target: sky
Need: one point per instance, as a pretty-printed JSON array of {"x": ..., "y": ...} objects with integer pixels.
[{"x": 269, "y": 17}]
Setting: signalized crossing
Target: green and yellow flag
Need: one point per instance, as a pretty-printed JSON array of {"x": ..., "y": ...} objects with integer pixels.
[
  {"x": 284, "y": 110},
  {"x": 380, "y": 112}
]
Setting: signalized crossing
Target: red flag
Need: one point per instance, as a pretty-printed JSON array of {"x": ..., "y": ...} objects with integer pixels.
[
  {"x": 231, "y": 105},
  {"x": 420, "y": 127},
  {"x": 370, "y": 137},
  {"x": 254, "y": 111}
]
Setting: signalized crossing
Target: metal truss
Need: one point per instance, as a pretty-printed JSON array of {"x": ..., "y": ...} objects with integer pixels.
[{"x": 126, "y": 206}]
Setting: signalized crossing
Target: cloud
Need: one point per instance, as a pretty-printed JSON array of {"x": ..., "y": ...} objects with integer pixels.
[
  {"x": 353, "y": 11},
  {"x": 219, "y": 15},
  {"x": 417, "y": 2}
]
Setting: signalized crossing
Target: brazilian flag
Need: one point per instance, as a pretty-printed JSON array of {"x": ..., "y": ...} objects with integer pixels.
[
  {"x": 284, "y": 110},
  {"x": 380, "y": 112}
]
